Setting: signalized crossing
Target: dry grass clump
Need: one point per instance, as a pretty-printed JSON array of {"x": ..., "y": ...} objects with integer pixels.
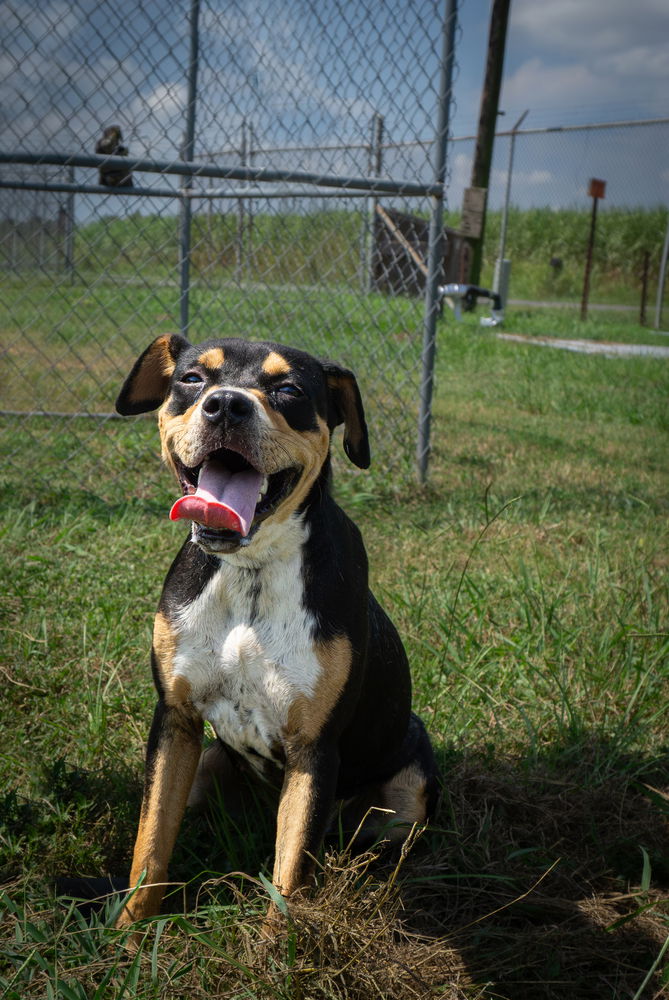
[
  {"x": 348, "y": 940},
  {"x": 539, "y": 885},
  {"x": 345, "y": 940}
]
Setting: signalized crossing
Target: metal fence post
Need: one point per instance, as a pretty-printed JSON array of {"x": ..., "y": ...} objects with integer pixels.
[
  {"x": 435, "y": 242},
  {"x": 187, "y": 183},
  {"x": 241, "y": 205},
  {"x": 69, "y": 228},
  {"x": 250, "y": 155},
  {"x": 662, "y": 277},
  {"x": 374, "y": 169},
  {"x": 500, "y": 281}
]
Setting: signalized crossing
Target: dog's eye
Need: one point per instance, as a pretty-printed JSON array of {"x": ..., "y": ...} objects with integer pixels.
[
  {"x": 192, "y": 377},
  {"x": 288, "y": 389}
]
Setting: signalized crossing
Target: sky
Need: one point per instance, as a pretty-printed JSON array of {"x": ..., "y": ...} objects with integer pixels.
[
  {"x": 569, "y": 61},
  {"x": 300, "y": 72}
]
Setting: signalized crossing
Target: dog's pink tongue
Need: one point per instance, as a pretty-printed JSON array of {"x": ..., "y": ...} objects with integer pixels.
[{"x": 224, "y": 499}]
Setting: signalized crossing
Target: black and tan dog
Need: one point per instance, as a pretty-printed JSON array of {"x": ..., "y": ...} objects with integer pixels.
[{"x": 266, "y": 627}]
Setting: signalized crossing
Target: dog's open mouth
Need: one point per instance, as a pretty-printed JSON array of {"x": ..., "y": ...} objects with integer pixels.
[{"x": 227, "y": 495}]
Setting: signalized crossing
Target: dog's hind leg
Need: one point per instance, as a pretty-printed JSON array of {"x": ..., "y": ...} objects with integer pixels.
[
  {"x": 172, "y": 756},
  {"x": 219, "y": 778},
  {"x": 386, "y": 811},
  {"x": 413, "y": 791},
  {"x": 214, "y": 772},
  {"x": 406, "y": 796}
]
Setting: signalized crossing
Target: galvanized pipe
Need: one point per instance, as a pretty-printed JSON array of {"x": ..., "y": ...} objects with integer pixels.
[
  {"x": 241, "y": 205},
  {"x": 507, "y": 193},
  {"x": 374, "y": 169},
  {"x": 435, "y": 252},
  {"x": 185, "y": 207},
  {"x": 662, "y": 277},
  {"x": 261, "y": 175},
  {"x": 177, "y": 193},
  {"x": 69, "y": 228}
]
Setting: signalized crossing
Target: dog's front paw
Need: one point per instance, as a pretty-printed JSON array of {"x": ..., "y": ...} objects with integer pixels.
[{"x": 131, "y": 940}]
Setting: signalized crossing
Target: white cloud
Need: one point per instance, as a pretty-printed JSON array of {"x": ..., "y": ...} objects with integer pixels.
[
  {"x": 461, "y": 170},
  {"x": 574, "y": 54},
  {"x": 165, "y": 100},
  {"x": 159, "y": 119},
  {"x": 592, "y": 26},
  {"x": 640, "y": 61},
  {"x": 539, "y": 84},
  {"x": 533, "y": 177},
  {"x": 537, "y": 177}
]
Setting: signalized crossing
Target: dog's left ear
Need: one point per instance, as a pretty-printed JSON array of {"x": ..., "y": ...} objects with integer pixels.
[
  {"x": 147, "y": 384},
  {"x": 345, "y": 405}
]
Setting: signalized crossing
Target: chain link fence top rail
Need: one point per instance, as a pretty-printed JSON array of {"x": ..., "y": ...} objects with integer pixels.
[{"x": 91, "y": 261}]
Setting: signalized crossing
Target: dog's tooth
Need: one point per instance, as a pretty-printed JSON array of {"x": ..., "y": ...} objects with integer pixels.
[{"x": 264, "y": 486}]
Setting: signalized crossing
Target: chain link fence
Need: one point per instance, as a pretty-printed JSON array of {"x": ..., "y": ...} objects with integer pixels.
[
  {"x": 285, "y": 108},
  {"x": 313, "y": 216},
  {"x": 543, "y": 174}
]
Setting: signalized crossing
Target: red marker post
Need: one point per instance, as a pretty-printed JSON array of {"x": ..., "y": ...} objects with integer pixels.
[{"x": 596, "y": 190}]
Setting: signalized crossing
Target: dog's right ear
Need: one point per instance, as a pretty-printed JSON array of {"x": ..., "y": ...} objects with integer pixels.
[{"x": 146, "y": 386}]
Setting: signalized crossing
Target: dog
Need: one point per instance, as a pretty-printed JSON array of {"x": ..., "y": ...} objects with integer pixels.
[{"x": 266, "y": 627}]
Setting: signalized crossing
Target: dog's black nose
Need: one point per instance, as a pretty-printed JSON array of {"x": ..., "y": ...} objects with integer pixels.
[{"x": 227, "y": 406}]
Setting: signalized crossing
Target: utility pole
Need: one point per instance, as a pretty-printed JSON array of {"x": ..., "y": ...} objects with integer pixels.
[{"x": 485, "y": 137}]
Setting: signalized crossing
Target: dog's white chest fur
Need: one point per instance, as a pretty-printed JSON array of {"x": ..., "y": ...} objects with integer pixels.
[{"x": 245, "y": 645}]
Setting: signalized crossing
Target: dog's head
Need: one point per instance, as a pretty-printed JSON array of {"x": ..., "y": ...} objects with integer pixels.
[{"x": 245, "y": 427}]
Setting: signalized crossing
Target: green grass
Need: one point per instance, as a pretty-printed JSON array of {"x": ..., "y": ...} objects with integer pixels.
[
  {"x": 323, "y": 247},
  {"x": 529, "y": 581},
  {"x": 605, "y": 325},
  {"x": 68, "y": 346},
  {"x": 90, "y": 332},
  {"x": 536, "y": 235}
]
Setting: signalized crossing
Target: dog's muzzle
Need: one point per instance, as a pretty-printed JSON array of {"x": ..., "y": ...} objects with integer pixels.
[{"x": 225, "y": 494}]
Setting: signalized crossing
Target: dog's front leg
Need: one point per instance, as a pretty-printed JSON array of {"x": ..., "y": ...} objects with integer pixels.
[
  {"x": 306, "y": 802},
  {"x": 172, "y": 755}
]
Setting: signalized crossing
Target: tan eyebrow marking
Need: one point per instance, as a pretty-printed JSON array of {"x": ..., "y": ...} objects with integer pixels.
[
  {"x": 275, "y": 364},
  {"x": 213, "y": 358}
]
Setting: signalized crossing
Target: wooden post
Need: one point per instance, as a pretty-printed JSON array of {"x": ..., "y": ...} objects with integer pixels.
[
  {"x": 596, "y": 190},
  {"x": 661, "y": 278},
  {"x": 485, "y": 138},
  {"x": 402, "y": 240}
]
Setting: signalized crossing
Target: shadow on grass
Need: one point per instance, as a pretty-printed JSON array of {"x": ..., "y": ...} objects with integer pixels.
[
  {"x": 547, "y": 882},
  {"x": 544, "y": 878}
]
